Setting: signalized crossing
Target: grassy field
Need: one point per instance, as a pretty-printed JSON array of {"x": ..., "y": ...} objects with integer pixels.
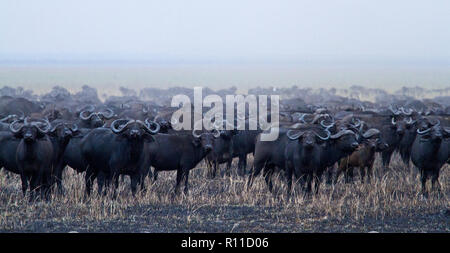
[{"x": 390, "y": 203}]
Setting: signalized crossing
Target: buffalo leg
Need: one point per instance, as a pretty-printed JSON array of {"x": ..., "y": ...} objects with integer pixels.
[
  {"x": 386, "y": 158},
  {"x": 186, "y": 182},
  {"x": 89, "y": 178},
  {"x": 349, "y": 175},
  {"x": 229, "y": 166},
  {"x": 362, "y": 172},
  {"x": 59, "y": 179},
  {"x": 423, "y": 179},
  {"x": 115, "y": 179},
  {"x": 318, "y": 180},
  {"x": 211, "y": 169},
  {"x": 46, "y": 185},
  {"x": 242, "y": 164},
  {"x": 135, "y": 178},
  {"x": 308, "y": 183},
  {"x": 179, "y": 176},
  {"x": 257, "y": 167},
  {"x": 435, "y": 181},
  {"x": 34, "y": 185},
  {"x": 268, "y": 177},
  {"x": 142, "y": 182},
  {"x": 24, "y": 179},
  {"x": 330, "y": 173},
  {"x": 102, "y": 183},
  {"x": 227, "y": 170}
]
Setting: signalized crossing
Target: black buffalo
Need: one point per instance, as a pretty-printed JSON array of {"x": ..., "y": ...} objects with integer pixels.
[
  {"x": 180, "y": 152},
  {"x": 34, "y": 155},
  {"x": 430, "y": 151},
  {"x": 120, "y": 149}
]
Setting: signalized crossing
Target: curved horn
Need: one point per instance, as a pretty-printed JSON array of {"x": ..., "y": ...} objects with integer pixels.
[
  {"x": 216, "y": 133},
  {"x": 424, "y": 131},
  {"x": 294, "y": 136},
  {"x": 438, "y": 123},
  {"x": 109, "y": 115},
  {"x": 315, "y": 118},
  {"x": 393, "y": 122},
  {"x": 5, "y": 118},
  {"x": 13, "y": 129},
  {"x": 148, "y": 125},
  {"x": 86, "y": 117},
  {"x": 326, "y": 126},
  {"x": 341, "y": 133},
  {"x": 407, "y": 113},
  {"x": 38, "y": 126},
  {"x": 371, "y": 132},
  {"x": 394, "y": 112},
  {"x": 74, "y": 128},
  {"x": 122, "y": 127},
  {"x": 324, "y": 138},
  {"x": 54, "y": 127},
  {"x": 302, "y": 118},
  {"x": 9, "y": 117},
  {"x": 410, "y": 121},
  {"x": 194, "y": 131},
  {"x": 89, "y": 108},
  {"x": 195, "y": 134}
]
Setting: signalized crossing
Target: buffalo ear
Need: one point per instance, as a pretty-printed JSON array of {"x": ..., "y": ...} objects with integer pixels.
[
  {"x": 53, "y": 134},
  {"x": 196, "y": 142},
  {"x": 40, "y": 135},
  {"x": 18, "y": 135},
  {"x": 226, "y": 135},
  {"x": 149, "y": 137}
]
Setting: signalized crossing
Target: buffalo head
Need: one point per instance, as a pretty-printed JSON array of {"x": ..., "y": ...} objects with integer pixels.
[
  {"x": 205, "y": 138},
  {"x": 134, "y": 129},
  {"x": 95, "y": 119},
  {"x": 308, "y": 137},
  {"x": 30, "y": 131}
]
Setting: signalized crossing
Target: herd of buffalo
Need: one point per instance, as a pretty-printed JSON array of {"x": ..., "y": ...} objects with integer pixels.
[{"x": 40, "y": 138}]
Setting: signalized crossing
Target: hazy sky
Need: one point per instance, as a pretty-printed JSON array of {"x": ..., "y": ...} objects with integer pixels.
[{"x": 227, "y": 31}]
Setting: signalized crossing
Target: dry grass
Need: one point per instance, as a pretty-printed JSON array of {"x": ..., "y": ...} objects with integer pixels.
[{"x": 391, "y": 202}]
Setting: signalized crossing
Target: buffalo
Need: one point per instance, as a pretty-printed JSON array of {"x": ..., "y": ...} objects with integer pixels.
[
  {"x": 362, "y": 158},
  {"x": 120, "y": 149},
  {"x": 180, "y": 152},
  {"x": 430, "y": 151},
  {"x": 34, "y": 155}
]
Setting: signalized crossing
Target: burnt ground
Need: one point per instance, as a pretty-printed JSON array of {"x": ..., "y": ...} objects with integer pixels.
[
  {"x": 390, "y": 203},
  {"x": 239, "y": 219}
]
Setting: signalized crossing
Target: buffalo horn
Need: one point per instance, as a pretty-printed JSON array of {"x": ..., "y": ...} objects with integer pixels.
[
  {"x": 341, "y": 133},
  {"x": 294, "y": 136},
  {"x": 13, "y": 128},
  {"x": 371, "y": 132},
  {"x": 148, "y": 125}
]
